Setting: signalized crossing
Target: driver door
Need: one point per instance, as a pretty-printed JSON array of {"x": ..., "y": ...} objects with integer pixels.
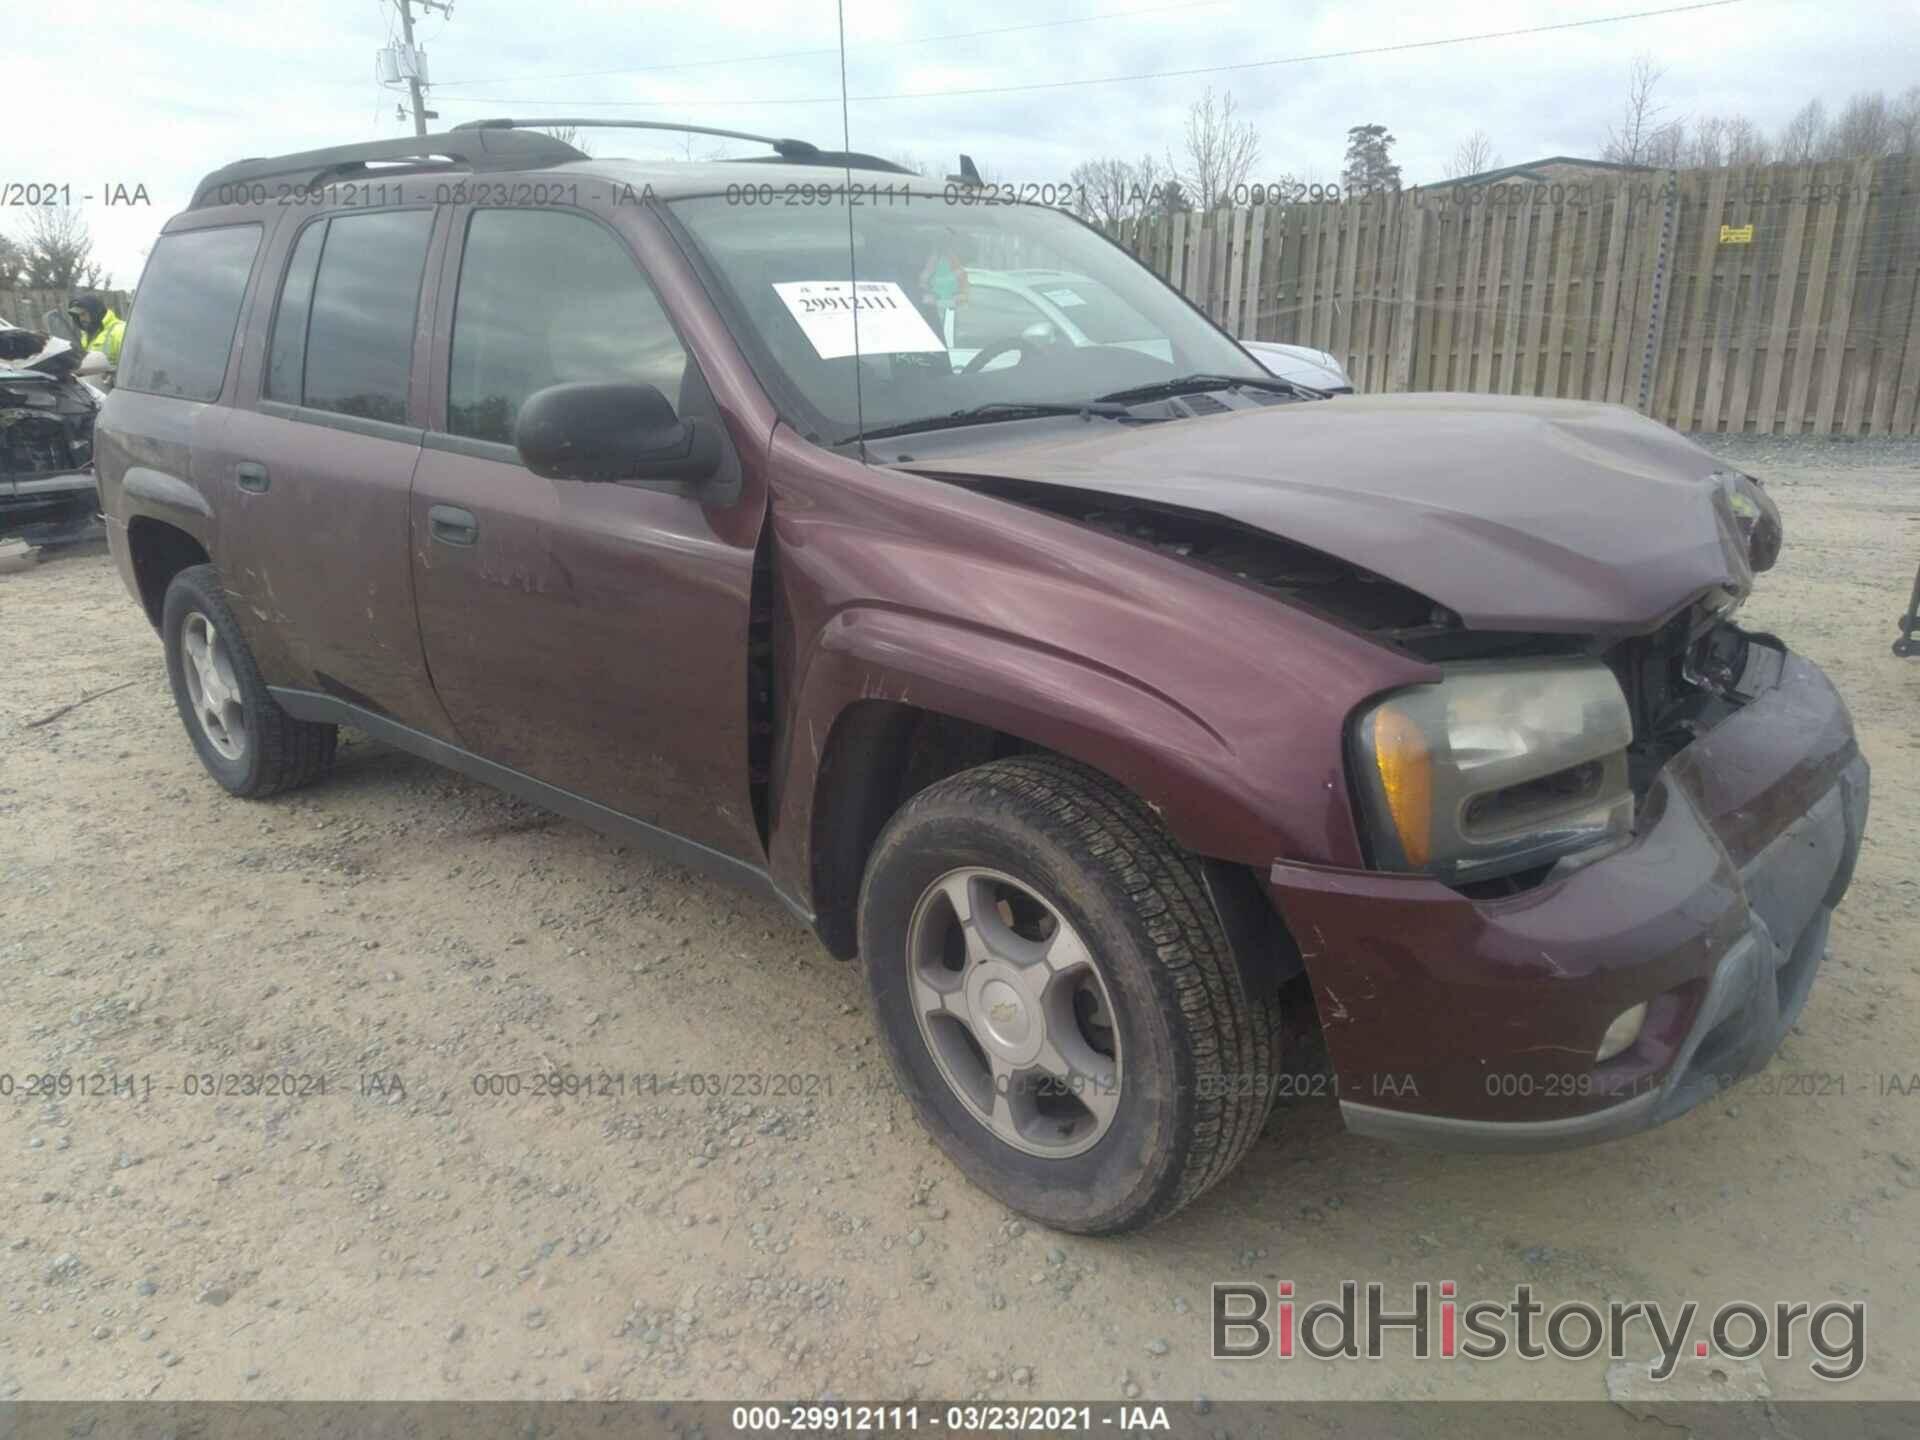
[{"x": 590, "y": 635}]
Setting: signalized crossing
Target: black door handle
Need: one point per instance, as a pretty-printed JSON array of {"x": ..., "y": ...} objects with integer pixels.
[
  {"x": 451, "y": 525},
  {"x": 252, "y": 476}
]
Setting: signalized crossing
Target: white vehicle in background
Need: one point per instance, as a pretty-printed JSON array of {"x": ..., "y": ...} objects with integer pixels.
[
  {"x": 1301, "y": 364},
  {"x": 1002, "y": 306}
]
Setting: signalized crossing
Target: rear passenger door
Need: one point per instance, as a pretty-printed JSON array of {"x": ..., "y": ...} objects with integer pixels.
[
  {"x": 591, "y": 635},
  {"x": 314, "y": 529}
]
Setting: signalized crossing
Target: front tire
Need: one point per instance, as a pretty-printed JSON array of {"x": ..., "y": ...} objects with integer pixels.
[
  {"x": 246, "y": 741},
  {"x": 1058, "y": 998}
]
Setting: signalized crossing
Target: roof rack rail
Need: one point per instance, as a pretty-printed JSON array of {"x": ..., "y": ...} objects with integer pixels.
[
  {"x": 460, "y": 149},
  {"x": 793, "y": 152},
  {"x": 785, "y": 149}
]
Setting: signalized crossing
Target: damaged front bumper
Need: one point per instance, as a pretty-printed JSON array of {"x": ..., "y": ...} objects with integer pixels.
[{"x": 1475, "y": 1024}]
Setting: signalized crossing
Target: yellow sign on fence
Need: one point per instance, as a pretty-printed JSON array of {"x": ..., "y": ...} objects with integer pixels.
[{"x": 1736, "y": 235}]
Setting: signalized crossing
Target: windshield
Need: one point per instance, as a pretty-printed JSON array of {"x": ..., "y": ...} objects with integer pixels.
[{"x": 959, "y": 306}]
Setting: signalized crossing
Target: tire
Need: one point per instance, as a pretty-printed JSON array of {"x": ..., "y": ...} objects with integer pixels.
[
  {"x": 1192, "y": 1049},
  {"x": 257, "y": 749}
]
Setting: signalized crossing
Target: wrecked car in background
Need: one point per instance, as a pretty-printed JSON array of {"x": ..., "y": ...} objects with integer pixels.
[
  {"x": 47, "y": 412},
  {"x": 1111, "y": 700}
]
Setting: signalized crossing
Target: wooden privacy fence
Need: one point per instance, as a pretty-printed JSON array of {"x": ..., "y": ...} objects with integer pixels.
[{"x": 1766, "y": 299}]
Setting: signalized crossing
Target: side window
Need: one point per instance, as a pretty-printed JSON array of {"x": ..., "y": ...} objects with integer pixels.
[
  {"x": 188, "y": 307},
  {"x": 548, "y": 297},
  {"x": 352, "y": 288},
  {"x": 287, "y": 357}
]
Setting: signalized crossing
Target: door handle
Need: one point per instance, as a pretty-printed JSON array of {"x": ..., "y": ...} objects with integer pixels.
[
  {"x": 451, "y": 525},
  {"x": 252, "y": 476}
]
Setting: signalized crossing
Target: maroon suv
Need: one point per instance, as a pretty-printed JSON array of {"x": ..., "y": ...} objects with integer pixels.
[{"x": 1109, "y": 696}]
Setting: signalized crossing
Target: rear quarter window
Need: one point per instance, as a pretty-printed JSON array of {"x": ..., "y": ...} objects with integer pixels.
[{"x": 186, "y": 311}]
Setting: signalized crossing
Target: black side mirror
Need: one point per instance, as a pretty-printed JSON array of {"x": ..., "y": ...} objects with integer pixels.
[{"x": 613, "y": 432}]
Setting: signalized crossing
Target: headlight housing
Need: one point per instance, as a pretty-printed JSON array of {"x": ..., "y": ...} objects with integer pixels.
[
  {"x": 1498, "y": 768},
  {"x": 1755, "y": 516}
]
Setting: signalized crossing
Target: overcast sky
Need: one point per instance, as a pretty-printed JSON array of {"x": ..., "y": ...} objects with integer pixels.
[{"x": 159, "y": 93}]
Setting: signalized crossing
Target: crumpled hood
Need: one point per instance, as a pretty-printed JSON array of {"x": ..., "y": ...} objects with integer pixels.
[{"x": 1518, "y": 514}]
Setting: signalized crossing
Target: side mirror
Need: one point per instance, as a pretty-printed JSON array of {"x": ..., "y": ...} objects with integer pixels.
[{"x": 613, "y": 432}]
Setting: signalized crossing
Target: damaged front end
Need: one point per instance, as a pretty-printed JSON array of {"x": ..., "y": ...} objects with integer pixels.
[
  {"x": 1331, "y": 588},
  {"x": 47, "y": 490}
]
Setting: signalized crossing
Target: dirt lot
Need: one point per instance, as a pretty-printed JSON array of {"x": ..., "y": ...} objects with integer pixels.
[{"x": 373, "y": 1241}]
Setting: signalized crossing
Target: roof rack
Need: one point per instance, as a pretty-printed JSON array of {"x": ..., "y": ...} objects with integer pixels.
[
  {"x": 793, "y": 152},
  {"x": 464, "y": 148},
  {"x": 786, "y": 149}
]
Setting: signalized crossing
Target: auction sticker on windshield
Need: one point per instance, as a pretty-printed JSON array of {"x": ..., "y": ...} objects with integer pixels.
[{"x": 889, "y": 323}]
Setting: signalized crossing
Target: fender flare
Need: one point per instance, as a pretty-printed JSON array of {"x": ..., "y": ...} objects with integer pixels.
[{"x": 1165, "y": 753}]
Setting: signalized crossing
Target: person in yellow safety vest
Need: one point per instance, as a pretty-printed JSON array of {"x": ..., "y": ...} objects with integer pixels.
[{"x": 100, "y": 329}]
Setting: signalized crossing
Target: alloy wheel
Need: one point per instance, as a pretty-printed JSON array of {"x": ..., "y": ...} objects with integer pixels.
[
  {"x": 1015, "y": 1012},
  {"x": 213, "y": 686}
]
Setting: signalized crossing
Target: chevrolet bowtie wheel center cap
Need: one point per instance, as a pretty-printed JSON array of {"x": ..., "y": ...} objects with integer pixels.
[{"x": 1015, "y": 1012}]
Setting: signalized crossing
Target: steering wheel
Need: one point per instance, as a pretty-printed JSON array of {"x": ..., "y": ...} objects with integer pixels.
[{"x": 994, "y": 352}]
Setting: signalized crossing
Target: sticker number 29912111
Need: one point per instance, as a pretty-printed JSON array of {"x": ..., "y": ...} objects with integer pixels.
[{"x": 888, "y": 322}]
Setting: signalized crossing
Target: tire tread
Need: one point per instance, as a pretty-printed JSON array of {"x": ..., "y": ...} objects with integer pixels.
[
  {"x": 1233, "y": 1034},
  {"x": 292, "y": 753}
]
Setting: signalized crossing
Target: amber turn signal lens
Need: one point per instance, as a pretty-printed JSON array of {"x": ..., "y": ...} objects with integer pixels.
[{"x": 1406, "y": 775}]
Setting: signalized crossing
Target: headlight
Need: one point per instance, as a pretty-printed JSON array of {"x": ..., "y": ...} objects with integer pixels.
[
  {"x": 1497, "y": 768},
  {"x": 1756, "y": 516}
]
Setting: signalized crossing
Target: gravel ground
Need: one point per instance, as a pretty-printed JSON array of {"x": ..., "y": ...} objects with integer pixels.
[{"x": 399, "y": 932}]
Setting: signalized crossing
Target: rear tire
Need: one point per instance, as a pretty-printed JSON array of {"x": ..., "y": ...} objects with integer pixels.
[
  {"x": 246, "y": 741},
  {"x": 1064, "y": 871}
]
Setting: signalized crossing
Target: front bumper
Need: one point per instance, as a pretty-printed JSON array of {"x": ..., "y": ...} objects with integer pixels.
[
  {"x": 1474, "y": 1024},
  {"x": 49, "y": 509}
]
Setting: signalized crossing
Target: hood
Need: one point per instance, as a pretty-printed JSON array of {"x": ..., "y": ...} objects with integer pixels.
[
  {"x": 1517, "y": 514},
  {"x": 1302, "y": 364},
  {"x": 32, "y": 352}
]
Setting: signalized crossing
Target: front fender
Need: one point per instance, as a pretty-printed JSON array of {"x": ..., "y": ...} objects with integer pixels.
[{"x": 1170, "y": 756}]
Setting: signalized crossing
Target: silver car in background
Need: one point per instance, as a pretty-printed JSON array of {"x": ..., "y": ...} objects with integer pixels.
[
  {"x": 1301, "y": 364},
  {"x": 1036, "y": 303}
]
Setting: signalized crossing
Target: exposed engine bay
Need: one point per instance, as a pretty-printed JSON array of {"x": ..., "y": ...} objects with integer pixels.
[
  {"x": 1333, "y": 588},
  {"x": 1680, "y": 681}
]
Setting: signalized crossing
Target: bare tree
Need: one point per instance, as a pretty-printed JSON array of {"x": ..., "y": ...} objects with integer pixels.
[
  {"x": 908, "y": 161},
  {"x": 1641, "y": 137},
  {"x": 59, "y": 251},
  {"x": 569, "y": 135},
  {"x": 1111, "y": 189},
  {"x": 13, "y": 264},
  {"x": 1705, "y": 146},
  {"x": 1864, "y": 131},
  {"x": 1746, "y": 143},
  {"x": 1221, "y": 151},
  {"x": 1906, "y": 123},
  {"x": 1472, "y": 156},
  {"x": 1804, "y": 136}
]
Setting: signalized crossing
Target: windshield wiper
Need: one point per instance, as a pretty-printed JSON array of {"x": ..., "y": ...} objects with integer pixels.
[
  {"x": 1188, "y": 384},
  {"x": 992, "y": 410}
]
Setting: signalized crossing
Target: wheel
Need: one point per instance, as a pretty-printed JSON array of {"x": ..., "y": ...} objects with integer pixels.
[
  {"x": 1058, "y": 997},
  {"x": 246, "y": 741}
]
